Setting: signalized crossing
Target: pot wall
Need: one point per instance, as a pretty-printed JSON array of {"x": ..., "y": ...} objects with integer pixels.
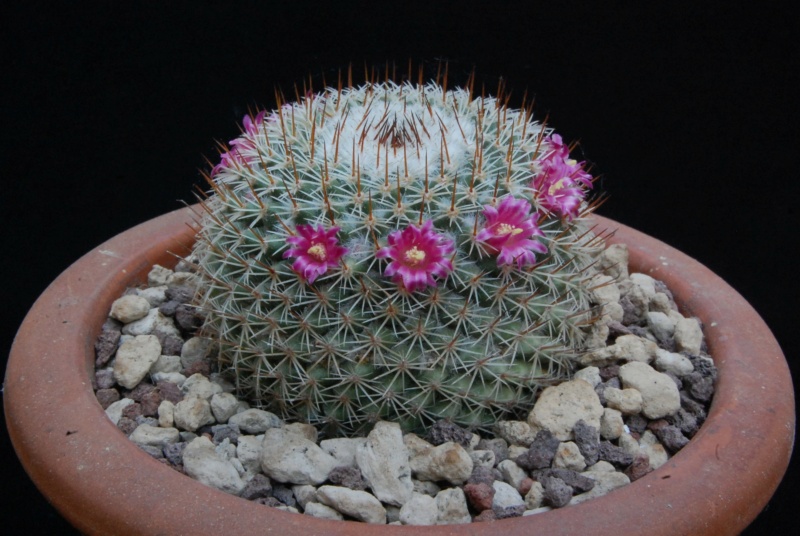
[{"x": 101, "y": 482}]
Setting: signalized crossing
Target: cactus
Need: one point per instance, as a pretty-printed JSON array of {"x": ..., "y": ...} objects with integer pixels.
[{"x": 399, "y": 252}]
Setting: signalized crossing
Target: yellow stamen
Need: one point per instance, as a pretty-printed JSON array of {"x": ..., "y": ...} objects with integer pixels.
[
  {"x": 318, "y": 252},
  {"x": 506, "y": 229},
  {"x": 414, "y": 256},
  {"x": 556, "y": 186}
]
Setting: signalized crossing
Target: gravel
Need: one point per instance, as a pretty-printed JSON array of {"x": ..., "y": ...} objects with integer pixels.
[{"x": 637, "y": 398}]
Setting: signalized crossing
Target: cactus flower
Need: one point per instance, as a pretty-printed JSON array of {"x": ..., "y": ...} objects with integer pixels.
[
  {"x": 315, "y": 251},
  {"x": 508, "y": 232},
  {"x": 559, "y": 183},
  {"x": 417, "y": 254}
]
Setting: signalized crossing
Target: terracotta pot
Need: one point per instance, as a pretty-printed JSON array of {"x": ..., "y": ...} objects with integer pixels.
[{"x": 104, "y": 484}]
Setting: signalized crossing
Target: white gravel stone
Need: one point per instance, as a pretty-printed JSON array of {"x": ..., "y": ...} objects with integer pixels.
[
  {"x": 201, "y": 462},
  {"x": 603, "y": 289},
  {"x": 671, "y": 362},
  {"x": 569, "y": 456},
  {"x": 343, "y": 449},
  {"x": 129, "y": 308},
  {"x": 611, "y": 424},
  {"x": 248, "y": 451},
  {"x": 199, "y": 386},
  {"x": 134, "y": 359},
  {"x": 516, "y": 432},
  {"x": 300, "y": 429},
  {"x": 166, "y": 363},
  {"x": 505, "y": 495},
  {"x": 603, "y": 483},
  {"x": 172, "y": 377},
  {"x": 177, "y": 279},
  {"x": 154, "y": 323},
  {"x": 288, "y": 458},
  {"x": 304, "y": 494},
  {"x": 627, "y": 401},
  {"x": 602, "y": 466},
  {"x": 195, "y": 349},
  {"x": 354, "y": 503},
  {"x": 114, "y": 411},
  {"x": 627, "y": 443},
  {"x": 512, "y": 474},
  {"x": 192, "y": 412},
  {"x": 452, "y": 506},
  {"x": 155, "y": 296},
  {"x": 482, "y": 458},
  {"x": 256, "y": 421},
  {"x": 166, "y": 414},
  {"x": 534, "y": 497},
  {"x": 419, "y": 510},
  {"x": 660, "y": 396},
  {"x": 646, "y": 283},
  {"x": 315, "y": 509},
  {"x": 224, "y": 406},
  {"x": 158, "y": 275},
  {"x": 661, "y": 325},
  {"x": 650, "y": 445},
  {"x": 425, "y": 487},
  {"x": 155, "y": 436},
  {"x": 384, "y": 464},
  {"x": 634, "y": 348},
  {"x": 688, "y": 336},
  {"x": 448, "y": 461},
  {"x": 591, "y": 375},
  {"x": 559, "y": 407},
  {"x": 614, "y": 261}
]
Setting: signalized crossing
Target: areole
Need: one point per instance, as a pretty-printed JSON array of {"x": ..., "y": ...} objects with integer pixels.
[{"x": 103, "y": 483}]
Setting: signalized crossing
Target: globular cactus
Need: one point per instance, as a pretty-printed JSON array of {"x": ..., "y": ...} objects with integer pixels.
[{"x": 398, "y": 252}]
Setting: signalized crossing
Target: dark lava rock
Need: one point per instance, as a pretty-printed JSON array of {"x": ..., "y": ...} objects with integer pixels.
[
  {"x": 104, "y": 379},
  {"x": 608, "y": 372},
  {"x": 508, "y": 511},
  {"x": 269, "y": 501},
  {"x": 614, "y": 455},
  {"x": 106, "y": 397},
  {"x": 259, "y": 487},
  {"x": 694, "y": 407},
  {"x": 669, "y": 435},
  {"x": 174, "y": 452},
  {"x": 499, "y": 446},
  {"x": 126, "y": 425},
  {"x": 221, "y": 432},
  {"x": 541, "y": 452},
  {"x": 486, "y": 515},
  {"x": 699, "y": 386},
  {"x": 171, "y": 345},
  {"x": 636, "y": 423},
  {"x": 443, "y": 431},
  {"x": 140, "y": 390},
  {"x": 180, "y": 293},
  {"x": 588, "y": 441},
  {"x": 481, "y": 475},
  {"x": 639, "y": 467},
  {"x": 571, "y": 478},
  {"x": 155, "y": 452},
  {"x": 685, "y": 421},
  {"x": 616, "y": 329},
  {"x": 107, "y": 342},
  {"x": 198, "y": 367},
  {"x": 188, "y": 318},
  {"x": 168, "y": 308},
  {"x": 556, "y": 492},
  {"x": 170, "y": 391},
  {"x": 284, "y": 494},
  {"x": 480, "y": 496},
  {"x": 131, "y": 411},
  {"x": 348, "y": 477},
  {"x": 150, "y": 403}
]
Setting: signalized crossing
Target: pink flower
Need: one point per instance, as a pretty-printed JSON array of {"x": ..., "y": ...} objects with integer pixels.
[
  {"x": 417, "y": 254},
  {"x": 233, "y": 159},
  {"x": 508, "y": 232},
  {"x": 561, "y": 181},
  {"x": 315, "y": 251}
]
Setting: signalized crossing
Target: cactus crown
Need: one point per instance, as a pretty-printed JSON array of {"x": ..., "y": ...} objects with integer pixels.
[{"x": 396, "y": 251}]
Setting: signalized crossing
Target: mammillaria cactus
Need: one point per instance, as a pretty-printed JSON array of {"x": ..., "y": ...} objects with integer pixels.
[{"x": 399, "y": 252}]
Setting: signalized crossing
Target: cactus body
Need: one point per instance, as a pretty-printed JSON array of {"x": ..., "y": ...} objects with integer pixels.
[{"x": 395, "y": 252}]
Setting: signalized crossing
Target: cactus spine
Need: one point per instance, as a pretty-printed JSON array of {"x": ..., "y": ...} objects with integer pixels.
[{"x": 396, "y": 251}]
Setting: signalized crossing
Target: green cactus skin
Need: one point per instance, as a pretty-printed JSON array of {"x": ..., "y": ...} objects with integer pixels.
[{"x": 355, "y": 346}]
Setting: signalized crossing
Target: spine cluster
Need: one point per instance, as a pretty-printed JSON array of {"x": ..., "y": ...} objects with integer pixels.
[{"x": 398, "y": 252}]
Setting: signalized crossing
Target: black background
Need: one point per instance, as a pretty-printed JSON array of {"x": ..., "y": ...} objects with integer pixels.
[{"x": 688, "y": 113}]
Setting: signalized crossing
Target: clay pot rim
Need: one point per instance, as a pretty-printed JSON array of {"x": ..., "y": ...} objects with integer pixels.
[{"x": 102, "y": 483}]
